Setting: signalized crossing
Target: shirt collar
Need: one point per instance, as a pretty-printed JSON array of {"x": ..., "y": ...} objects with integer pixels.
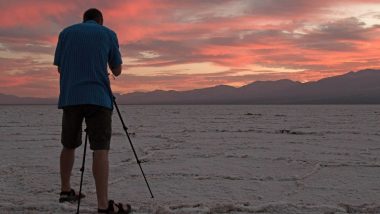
[{"x": 91, "y": 21}]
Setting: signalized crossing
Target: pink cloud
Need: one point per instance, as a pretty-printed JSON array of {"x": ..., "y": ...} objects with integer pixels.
[{"x": 235, "y": 34}]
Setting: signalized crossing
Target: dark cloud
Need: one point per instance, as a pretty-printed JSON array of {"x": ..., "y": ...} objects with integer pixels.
[
  {"x": 283, "y": 8},
  {"x": 24, "y": 34},
  {"x": 340, "y": 35},
  {"x": 345, "y": 29}
]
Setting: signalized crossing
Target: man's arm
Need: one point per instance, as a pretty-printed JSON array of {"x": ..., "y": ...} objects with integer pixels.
[
  {"x": 58, "y": 53},
  {"x": 116, "y": 71},
  {"x": 114, "y": 56}
]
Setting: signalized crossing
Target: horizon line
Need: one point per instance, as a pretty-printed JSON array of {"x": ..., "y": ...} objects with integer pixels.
[{"x": 56, "y": 97}]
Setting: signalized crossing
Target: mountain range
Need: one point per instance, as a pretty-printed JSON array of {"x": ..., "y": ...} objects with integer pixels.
[{"x": 361, "y": 87}]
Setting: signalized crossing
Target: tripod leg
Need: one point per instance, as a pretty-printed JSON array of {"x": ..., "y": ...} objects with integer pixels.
[
  {"x": 130, "y": 142},
  {"x": 82, "y": 170}
]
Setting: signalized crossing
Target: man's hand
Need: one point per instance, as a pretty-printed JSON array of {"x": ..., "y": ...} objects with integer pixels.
[
  {"x": 116, "y": 70},
  {"x": 113, "y": 76}
]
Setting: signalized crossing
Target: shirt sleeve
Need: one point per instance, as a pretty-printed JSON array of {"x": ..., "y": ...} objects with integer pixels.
[
  {"x": 114, "y": 56},
  {"x": 58, "y": 51}
]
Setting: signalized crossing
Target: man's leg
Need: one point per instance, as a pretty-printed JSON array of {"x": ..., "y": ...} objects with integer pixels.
[
  {"x": 98, "y": 120},
  {"x": 71, "y": 138},
  {"x": 100, "y": 172},
  {"x": 66, "y": 166}
]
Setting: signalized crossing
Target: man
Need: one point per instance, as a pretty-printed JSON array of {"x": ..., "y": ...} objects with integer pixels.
[{"x": 83, "y": 52}]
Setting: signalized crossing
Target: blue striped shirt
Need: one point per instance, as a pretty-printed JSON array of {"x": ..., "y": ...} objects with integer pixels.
[{"x": 83, "y": 52}]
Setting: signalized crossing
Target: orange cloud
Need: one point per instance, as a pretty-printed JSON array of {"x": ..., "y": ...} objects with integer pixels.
[
  {"x": 246, "y": 40},
  {"x": 31, "y": 13}
]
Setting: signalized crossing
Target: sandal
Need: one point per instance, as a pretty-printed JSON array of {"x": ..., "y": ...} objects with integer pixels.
[
  {"x": 69, "y": 196},
  {"x": 120, "y": 208}
]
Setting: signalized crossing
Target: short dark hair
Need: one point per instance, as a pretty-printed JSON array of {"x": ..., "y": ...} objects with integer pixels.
[{"x": 93, "y": 14}]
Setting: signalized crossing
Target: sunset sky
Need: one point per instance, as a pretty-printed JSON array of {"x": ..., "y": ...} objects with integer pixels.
[{"x": 187, "y": 44}]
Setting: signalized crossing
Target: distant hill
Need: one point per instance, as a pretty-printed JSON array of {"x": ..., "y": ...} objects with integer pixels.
[
  {"x": 11, "y": 99},
  {"x": 362, "y": 87}
]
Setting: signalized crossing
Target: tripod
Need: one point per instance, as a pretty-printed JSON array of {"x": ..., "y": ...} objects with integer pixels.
[
  {"x": 133, "y": 149},
  {"x": 82, "y": 170},
  {"x": 130, "y": 142}
]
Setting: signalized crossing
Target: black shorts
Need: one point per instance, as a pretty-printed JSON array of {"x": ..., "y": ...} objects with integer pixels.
[{"x": 98, "y": 120}]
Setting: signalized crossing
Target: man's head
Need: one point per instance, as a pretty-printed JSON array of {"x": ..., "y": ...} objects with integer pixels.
[{"x": 93, "y": 14}]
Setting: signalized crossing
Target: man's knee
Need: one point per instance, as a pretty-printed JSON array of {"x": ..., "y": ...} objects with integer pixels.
[
  {"x": 66, "y": 150},
  {"x": 103, "y": 153}
]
